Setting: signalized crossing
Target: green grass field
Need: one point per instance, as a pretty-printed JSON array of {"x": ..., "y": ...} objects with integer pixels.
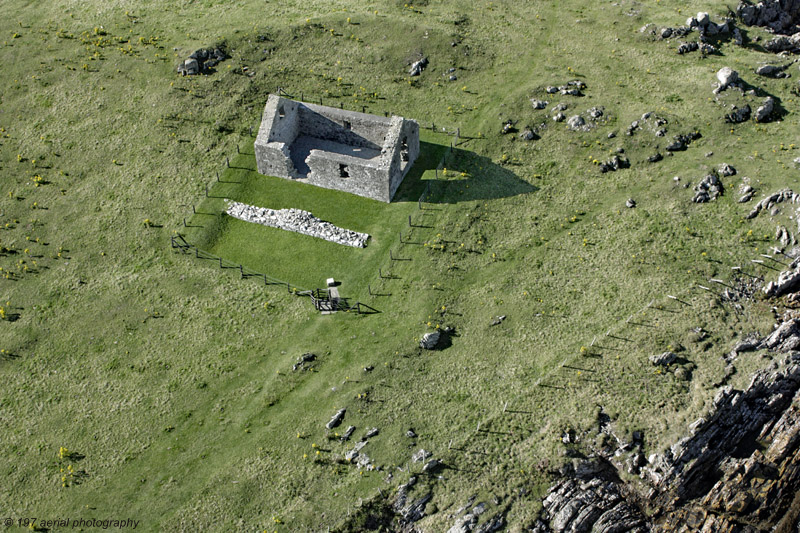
[{"x": 169, "y": 381}]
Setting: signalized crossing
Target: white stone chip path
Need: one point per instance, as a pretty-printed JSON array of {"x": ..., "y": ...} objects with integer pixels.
[{"x": 298, "y": 221}]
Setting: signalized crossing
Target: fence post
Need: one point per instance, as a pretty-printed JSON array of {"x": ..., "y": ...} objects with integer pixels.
[
  {"x": 184, "y": 222},
  {"x": 237, "y": 148},
  {"x": 220, "y": 262},
  {"x": 251, "y": 131},
  {"x": 193, "y": 210},
  {"x": 228, "y": 161},
  {"x": 197, "y": 252},
  {"x": 369, "y": 288},
  {"x": 206, "y": 191},
  {"x": 241, "y": 271}
]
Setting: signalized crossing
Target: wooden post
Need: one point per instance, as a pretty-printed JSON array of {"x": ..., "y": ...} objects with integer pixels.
[
  {"x": 220, "y": 262},
  {"x": 380, "y": 274},
  {"x": 193, "y": 210},
  {"x": 237, "y": 148},
  {"x": 409, "y": 222},
  {"x": 251, "y": 131},
  {"x": 197, "y": 252},
  {"x": 184, "y": 222},
  {"x": 218, "y": 175},
  {"x": 206, "y": 191},
  {"x": 227, "y": 162}
]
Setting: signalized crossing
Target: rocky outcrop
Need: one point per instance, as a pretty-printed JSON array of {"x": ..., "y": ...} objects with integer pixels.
[
  {"x": 591, "y": 504},
  {"x": 298, "y": 221},
  {"x": 780, "y": 16},
  {"x": 784, "y": 195}
]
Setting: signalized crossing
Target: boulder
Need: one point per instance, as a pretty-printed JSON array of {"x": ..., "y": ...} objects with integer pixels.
[
  {"x": 430, "y": 340},
  {"x": 726, "y": 170},
  {"x": 576, "y": 122},
  {"x": 765, "y": 110},
  {"x": 336, "y": 419},
  {"x": 726, "y": 77},
  {"x": 664, "y": 359},
  {"x": 418, "y": 66}
]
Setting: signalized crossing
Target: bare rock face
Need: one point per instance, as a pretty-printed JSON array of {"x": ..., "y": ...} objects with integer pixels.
[{"x": 593, "y": 504}]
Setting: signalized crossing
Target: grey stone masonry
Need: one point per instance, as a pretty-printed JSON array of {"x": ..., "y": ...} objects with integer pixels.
[
  {"x": 348, "y": 151},
  {"x": 298, "y": 221}
]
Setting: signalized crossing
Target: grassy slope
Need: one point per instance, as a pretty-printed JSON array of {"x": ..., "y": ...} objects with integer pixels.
[{"x": 174, "y": 379}]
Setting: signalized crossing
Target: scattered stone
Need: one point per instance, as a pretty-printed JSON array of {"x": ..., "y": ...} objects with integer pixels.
[
  {"x": 612, "y": 134},
  {"x": 347, "y": 434},
  {"x": 655, "y": 158},
  {"x": 596, "y": 112},
  {"x": 559, "y": 117},
  {"x": 370, "y": 433},
  {"x": 726, "y": 170},
  {"x": 527, "y": 135},
  {"x": 615, "y": 163},
  {"x": 498, "y": 320},
  {"x": 421, "y": 456},
  {"x": 298, "y": 221},
  {"x": 431, "y": 465},
  {"x": 666, "y": 33},
  {"x": 707, "y": 49},
  {"x": 685, "y": 48},
  {"x": 664, "y": 359},
  {"x": 738, "y": 114},
  {"x": 785, "y": 237},
  {"x": 773, "y": 71},
  {"x": 202, "y": 61},
  {"x": 336, "y": 419},
  {"x": 430, "y": 340},
  {"x": 551, "y": 90},
  {"x": 418, "y": 66},
  {"x": 702, "y": 19},
  {"x": 747, "y": 196},
  {"x": 355, "y": 452},
  {"x": 411, "y": 434},
  {"x": 303, "y": 359},
  {"x": 765, "y": 110},
  {"x": 709, "y": 188},
  {"x": 682, "y": 142},
  {"x": 630, "y": 203},
  {"x": 539, "y": 104}
]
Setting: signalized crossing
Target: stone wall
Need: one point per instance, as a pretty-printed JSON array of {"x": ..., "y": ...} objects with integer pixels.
[
  {"x": 367, "y": 131},
  {"x": 364, "y": 177},
  {"x": 348, "y": 151}
]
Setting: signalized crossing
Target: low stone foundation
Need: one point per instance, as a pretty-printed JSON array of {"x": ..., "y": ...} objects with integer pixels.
[{"x": 298, "y": 221}]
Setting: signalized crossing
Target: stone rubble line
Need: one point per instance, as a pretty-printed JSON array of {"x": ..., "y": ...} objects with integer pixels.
[{"x": 298, "y": 221}]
